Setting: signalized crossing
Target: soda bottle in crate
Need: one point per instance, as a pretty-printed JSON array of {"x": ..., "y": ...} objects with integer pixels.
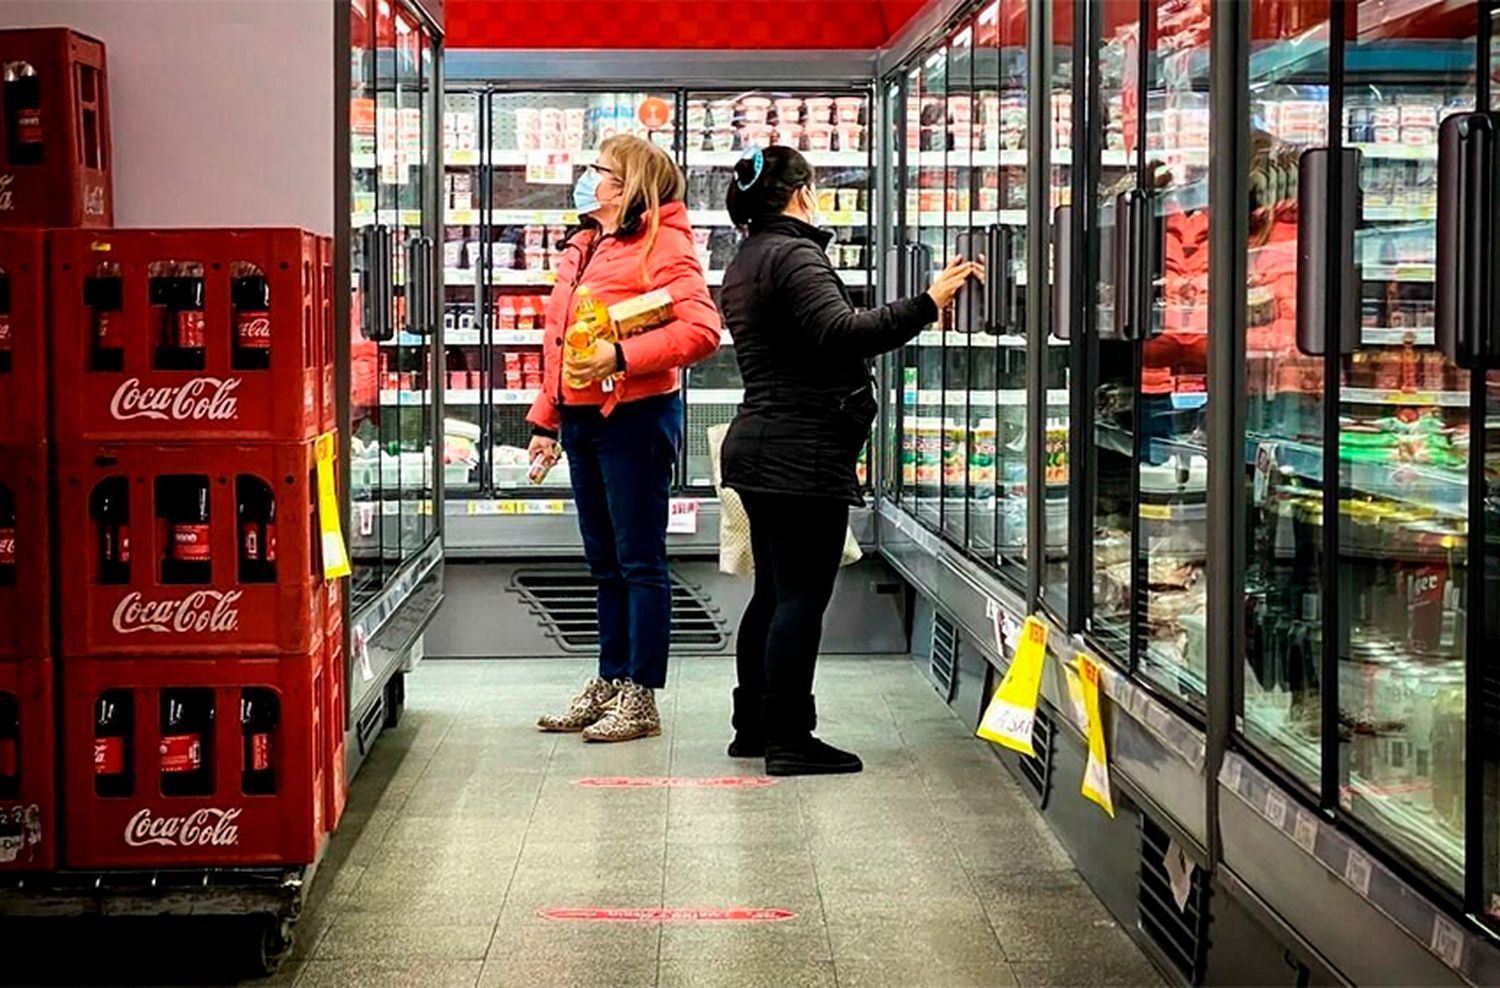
[
  {"x": 191, "y": 550},
  {"x": 190, "y": 335},
  {"x": 23, "y": 341},
  {"x": 55, "y": 167},
  {"x": 178, "y": 763},
  {"x": 28, "y": 807},
  {"x": 25, "y": 553}
]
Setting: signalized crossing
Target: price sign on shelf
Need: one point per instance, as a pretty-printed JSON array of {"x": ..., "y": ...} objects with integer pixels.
[
  {"x": 1012, "y": 711},
  {"x": 684, "y": 518},
  {"x": 1096, "y": 771},
  {"x": 549, "y": 168}
]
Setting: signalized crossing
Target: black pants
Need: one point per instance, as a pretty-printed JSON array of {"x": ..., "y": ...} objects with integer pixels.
[{"x": 797, "y": 543}]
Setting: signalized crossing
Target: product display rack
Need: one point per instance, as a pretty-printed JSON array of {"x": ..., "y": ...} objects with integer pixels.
[
  {"x": 1284, "y": 697},
  {"x": 529, "y": 145}
]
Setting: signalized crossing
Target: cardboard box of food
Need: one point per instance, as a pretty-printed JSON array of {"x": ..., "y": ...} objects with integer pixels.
[{"x": 639, "y": 314}]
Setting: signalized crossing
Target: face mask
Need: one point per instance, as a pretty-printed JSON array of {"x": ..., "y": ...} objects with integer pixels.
[
  {"x": 814, "y": 215},
  {"x": 586, "y": 192}
]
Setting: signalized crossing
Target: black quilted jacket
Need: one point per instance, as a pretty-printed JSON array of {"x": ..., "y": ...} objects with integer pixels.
[{"x": 804, "y": 353}]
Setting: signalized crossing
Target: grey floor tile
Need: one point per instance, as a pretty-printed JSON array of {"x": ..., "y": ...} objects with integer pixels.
[
  {"x": 1023, "y": 908},
  {"x": 935, "y": 931},
  {"x": 375, "y": 974},
  {"x": 909, "y": 972},
  {"x": 769, "y": 876},
  {"x": 369, "y": 936},
  {"x": 802, "y": 939},
  {"x": 522, "y": 931},
  {"x": 1087, "y": 972},
  {"x": 750, "y": 972},
  {"x": 560, "y": 969}
]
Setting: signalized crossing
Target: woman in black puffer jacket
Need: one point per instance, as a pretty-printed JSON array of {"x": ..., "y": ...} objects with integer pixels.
[{"x": 804, "y": 353}]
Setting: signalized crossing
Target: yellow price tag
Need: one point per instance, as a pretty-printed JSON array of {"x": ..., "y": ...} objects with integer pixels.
[
  {"x": 1096, "y": 772},
  {"x": 1012, "y": 711},
  {"x": 335, "y": 553}
]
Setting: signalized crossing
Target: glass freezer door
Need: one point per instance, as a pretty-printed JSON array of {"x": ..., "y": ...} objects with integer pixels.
[
  {"x": 463, "y": 372},
  {"x": 832, "y": 130},
  {"x": 366, "y": 320}
]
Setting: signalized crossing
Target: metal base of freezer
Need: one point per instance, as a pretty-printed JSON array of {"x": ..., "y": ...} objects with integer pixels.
[
  {"x": 1294, "y": 901},
  {"x": 509, "y": 610}
]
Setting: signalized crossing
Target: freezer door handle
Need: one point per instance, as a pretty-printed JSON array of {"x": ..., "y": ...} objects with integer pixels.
[
  {"x": 415, "y": 294},
  {"x": 1001, "y": 279},
  {"x": 1315, "y": 239},
  {"x": 1465, "y": 296},
  {"x": 1062, "y": 272},
  {"x": 1127, "y": 265}
]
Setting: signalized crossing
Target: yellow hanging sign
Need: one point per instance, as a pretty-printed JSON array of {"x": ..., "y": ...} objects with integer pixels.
[
  {"x": 1096, "y": 772},
  {"x": 1012, "y": 709},
  {"x": 335, "y": 554}
]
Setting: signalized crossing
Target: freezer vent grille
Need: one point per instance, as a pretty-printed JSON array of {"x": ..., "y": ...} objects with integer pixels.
[
  {"x": 944, "y": 662},
  {"x": 565, "y": 601},
  {"x": 1177, "y": 933},
  {"x": 1038, "y": 770}
]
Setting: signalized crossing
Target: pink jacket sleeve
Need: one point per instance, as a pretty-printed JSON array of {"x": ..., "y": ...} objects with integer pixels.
[
  {"x": 695, "y": 332},
  {"x": 544, "y": 413}
]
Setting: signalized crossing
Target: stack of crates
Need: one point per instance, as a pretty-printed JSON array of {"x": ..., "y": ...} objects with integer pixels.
[
  {"x": 54, "y": 171},
  {"x": 201, "y": 647}
]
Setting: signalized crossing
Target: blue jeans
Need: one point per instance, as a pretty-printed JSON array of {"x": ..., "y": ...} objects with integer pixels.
[{"x": 622, "y": 480}]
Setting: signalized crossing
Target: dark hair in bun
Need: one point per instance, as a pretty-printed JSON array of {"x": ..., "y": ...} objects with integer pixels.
[{"x": 764, "y": 182}]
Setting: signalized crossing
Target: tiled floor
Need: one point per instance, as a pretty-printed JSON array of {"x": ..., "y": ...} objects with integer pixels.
[{"x": 930, "y": 869}]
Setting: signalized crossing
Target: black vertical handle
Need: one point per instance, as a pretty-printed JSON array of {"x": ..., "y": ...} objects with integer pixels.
[
  {"x": 1150, "y": 275},
  {"x": 1000, "y": 286},
  {"x": 1126, "y": 260},
  {"x": 1315, "y": 239},
  {"x": 1062, "y": 272},
  {"x": 1466, "y": 324}
]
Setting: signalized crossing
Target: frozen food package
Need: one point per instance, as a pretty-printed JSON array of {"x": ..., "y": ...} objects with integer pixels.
[{"x": 636, "y": 315}]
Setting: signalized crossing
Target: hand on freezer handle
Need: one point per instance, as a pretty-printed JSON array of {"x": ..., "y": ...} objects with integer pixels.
[{"x": 948, "y": 281}]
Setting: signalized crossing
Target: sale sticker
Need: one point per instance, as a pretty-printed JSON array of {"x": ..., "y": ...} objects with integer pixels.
[
  {"x": 335, "y": 553},
  {"x": 683, "y": 519},
  {"x": 679, "y": 782},
  {"x": 1096, "y": 772},
  {"x": 1012, "y": 710},
  {"x": 549, "y": 168},
  {"x": 654, "y": 113},
  {"x": 587, "y": 915}
]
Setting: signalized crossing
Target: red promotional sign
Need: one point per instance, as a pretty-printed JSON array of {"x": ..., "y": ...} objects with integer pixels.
[
  {"x": 726, "y": 782},
  {"x": 655, "y": 113},
  {"x": 741, "y": 915}
]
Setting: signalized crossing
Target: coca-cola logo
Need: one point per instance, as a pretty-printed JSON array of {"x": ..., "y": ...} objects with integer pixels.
[
  {"x": 208, "y": 827},
  {"x": 7, "y": 194},
  {"x": 7, "y": 546},
  {"x": 257, "y": 327},
  {"x": 93, "y": 201},
  {"x": 201, "y": 612},
  {"x": 203, "y": 399}
]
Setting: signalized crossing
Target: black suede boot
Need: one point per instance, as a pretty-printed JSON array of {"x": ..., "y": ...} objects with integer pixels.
[
  {"x": 749, "y": 733},
  {"x": 790, "y": 747}
]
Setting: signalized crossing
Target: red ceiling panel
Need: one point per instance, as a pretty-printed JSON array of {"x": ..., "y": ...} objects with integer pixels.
[{"x": 700, "y": 24}]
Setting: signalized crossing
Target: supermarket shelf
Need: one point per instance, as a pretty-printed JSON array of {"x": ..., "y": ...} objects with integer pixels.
[
  {"x": 854, "y": 279},
  {"x": 1420, "y": 272},
  {"x": 533, "y": 217},
  {"x": 510, "y": 158},
  {"x": 1442, "y": 492},
  {"x": 979, "y": 341},
  {"x": 960, "y": 220},
  {"x": 363, "y": 159},
  {"x": 1001, "y": 396},
  {"x": 1396, "y": 336},
  {"x": 1421, "y": 399},
  {"x": 1020, "y": 157},
  {"x": 1400, "y": 214},
  {"x": 497, "y": 396},
  {"x": 389, "y": 217},
  {"x": 818, "y": 159},
  {"x": 1398, "y": 152},
  {"x": 508, "y": 278},
  {"x": 462, "y": 217},
  {"x": 720, "y": 217}
]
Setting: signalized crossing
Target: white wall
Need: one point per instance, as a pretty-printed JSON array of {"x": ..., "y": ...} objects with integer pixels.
[{"x": 222, "y": 110}]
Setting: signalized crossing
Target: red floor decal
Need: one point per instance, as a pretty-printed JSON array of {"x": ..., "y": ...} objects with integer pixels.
[
  {"x": 726, "y": 782},
  {"x": 667, "y": 915}
]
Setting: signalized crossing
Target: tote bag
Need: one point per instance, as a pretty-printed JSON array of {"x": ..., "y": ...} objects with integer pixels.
[{"x": 735, "y": 557}]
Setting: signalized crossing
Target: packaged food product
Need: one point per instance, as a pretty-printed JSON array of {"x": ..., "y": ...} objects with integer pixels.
[
  {"x": 639, "y": 314},
  {"x": 847, "y": 200},
  {"x": 851, "y": 137},
  {"x": 789, "y": 134},
  {"x": 819, "y": 109},
  {"x": 788, "y": 111},
  {"x": 536, "y": 258},
  {"x": 819, "y": 137},
  {"x": 827, "y": 201},
  {"x": 755, "y": 109},
  {"x": 722, "y": 139}
]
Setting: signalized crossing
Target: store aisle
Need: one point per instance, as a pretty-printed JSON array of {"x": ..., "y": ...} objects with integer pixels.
[{"x": 930, "y": 869}]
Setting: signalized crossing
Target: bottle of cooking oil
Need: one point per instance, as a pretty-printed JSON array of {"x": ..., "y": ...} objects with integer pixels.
[{"x": 590, "y": 325}]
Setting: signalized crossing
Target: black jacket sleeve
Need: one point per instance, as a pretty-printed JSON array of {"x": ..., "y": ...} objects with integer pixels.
[{"x": 816, "y": 299}]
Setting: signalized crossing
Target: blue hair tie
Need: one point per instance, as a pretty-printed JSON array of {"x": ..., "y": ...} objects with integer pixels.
[{"x": 755, "y": 154}]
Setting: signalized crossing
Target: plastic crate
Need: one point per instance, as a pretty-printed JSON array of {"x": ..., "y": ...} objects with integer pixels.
[
  {"x": 327, "y": 323},
  {"x": 25, "y": 592},
  {"x": 134, "y": 823},
  {"x": 56, "y": 160},
  {"x": 23, "y": 336},
  {"x": 336, "y": 779},
  {"x": 28, "y": 787},
  {"x": 123, "y": 393},
  {"x": 148, "y": 612}
]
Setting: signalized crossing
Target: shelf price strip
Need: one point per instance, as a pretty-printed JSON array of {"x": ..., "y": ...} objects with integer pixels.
[{"x": 1012, "y": 711}]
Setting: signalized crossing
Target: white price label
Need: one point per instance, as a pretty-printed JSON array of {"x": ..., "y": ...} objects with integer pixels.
[
  {"x": 1233, "y": 773},
  {"x": 549, "y": 168},
  {"x": 1357, "y": 871},
  {"x": 1010, "y": 721},
  {"x": 1447, "y": 941},
  {"x": 1305, "y": 832},
  {"x": 683, "y": 519},
  {"x": 1276, "y": 809}
]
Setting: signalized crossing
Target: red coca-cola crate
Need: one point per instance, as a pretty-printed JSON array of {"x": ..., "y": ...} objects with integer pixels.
[
  {"x": 25, "y": 552},
  {"x": 178, "y": 776},
  {"x": 157, "y": 339},
  {"x": 54, "y": 141},
  {"x": 329, "y": 392},
  {"x": 23, "y": 339},
  {"x": 336, "y": 779},
  {"x": 190, "y": 586},
  {"x": 28, "y": 743}
]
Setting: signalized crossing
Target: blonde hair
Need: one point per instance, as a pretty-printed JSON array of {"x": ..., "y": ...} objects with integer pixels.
[{"x": 649, "y": 179}]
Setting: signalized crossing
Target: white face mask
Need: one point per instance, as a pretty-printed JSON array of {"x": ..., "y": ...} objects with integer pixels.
[{"x": 814, "y": 215}]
